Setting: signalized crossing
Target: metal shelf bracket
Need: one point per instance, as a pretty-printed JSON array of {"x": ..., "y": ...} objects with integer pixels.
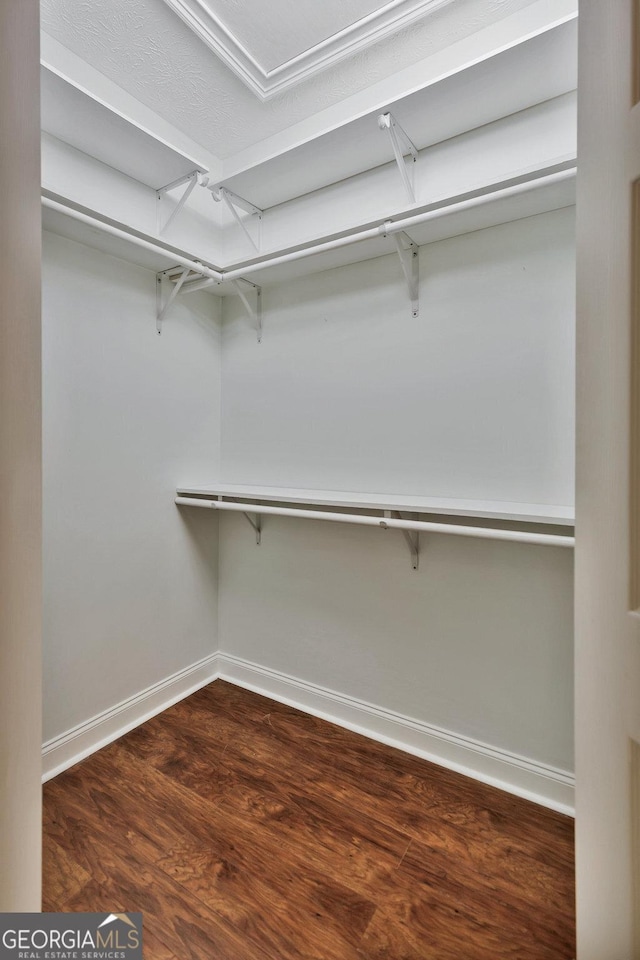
[
  {"x": 184, "y": 280},
  {"x": 190, "y": 180},
  {"x": 409, "y": 254},
  {"x": 402, "y": 146},
  {"x": 257, "y": 526},
  {"x": 161, "y": 307},
  {"x": 244, "y": 287},
  {"x": 412, "y": 537},
  {"x": 203, "y": 284},
  {"x": 234, "y": 203}
]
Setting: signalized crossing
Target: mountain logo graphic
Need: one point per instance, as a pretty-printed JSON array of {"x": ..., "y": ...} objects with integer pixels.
[{"x": 117, "y": 916}]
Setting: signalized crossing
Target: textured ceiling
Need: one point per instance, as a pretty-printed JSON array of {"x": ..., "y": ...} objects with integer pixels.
[
  {"x": 152, "y": 54},
  {"x": 275, "y": 47},
  {"x": 260, "y": 26}
]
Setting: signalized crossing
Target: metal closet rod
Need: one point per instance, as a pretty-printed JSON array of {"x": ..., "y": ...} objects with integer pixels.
[
  {"x": 405, "y": 223},
  {"x": 195, "y": 265},
  {"x": 482, "y": 533},
  {"x": 384, "y": 229}
]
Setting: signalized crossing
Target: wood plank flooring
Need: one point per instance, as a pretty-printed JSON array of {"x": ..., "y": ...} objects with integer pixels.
[{"x": 246, "y": 830}]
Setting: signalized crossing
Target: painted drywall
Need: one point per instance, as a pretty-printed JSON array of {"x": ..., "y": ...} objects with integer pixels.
[
  {"x": 20, "y": 460},
  {"x": 472, "y": 399},
  {"x": 476, "y": 642},
  {"x": 130, "y": 583}
]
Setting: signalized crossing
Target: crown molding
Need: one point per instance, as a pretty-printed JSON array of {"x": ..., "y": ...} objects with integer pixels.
[{"x": 265, "y": 84}]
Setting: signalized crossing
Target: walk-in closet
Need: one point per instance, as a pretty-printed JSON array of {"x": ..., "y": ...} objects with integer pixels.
[{"x": 309, "y": 434}]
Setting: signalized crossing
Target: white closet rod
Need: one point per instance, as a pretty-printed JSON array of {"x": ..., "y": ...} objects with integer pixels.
[
  {"x": 197, "y": 267},
  {"x": 397, "y": 226},
  {"x": 384, "y": 229},
  {"x": 484, "y": 533}
]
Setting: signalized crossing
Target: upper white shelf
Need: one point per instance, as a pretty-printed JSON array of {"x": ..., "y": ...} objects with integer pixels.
[
  {"x": 484, "y": 509},
  {"x": 128, "y": 244},
  {"x": 537, "y": 192},
  {"x": 531, "y": 72},
  {"x": 72, "y": 114}
]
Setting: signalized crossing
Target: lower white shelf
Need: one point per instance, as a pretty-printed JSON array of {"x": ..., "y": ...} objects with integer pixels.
[
  {"x": 277, "y": 502},
  {"x": 407, "y": 503}
]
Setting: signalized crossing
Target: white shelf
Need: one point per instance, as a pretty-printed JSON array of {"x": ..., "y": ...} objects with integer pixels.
[
  {"x": 75, "y": 116},
  {"x": 482, "y": 509},
  {"x": 531, "y": 72},
  {"x": 539, "y": 196},
  {"x": 63, "y": 224},
  {"x": 536, "y": 192}
]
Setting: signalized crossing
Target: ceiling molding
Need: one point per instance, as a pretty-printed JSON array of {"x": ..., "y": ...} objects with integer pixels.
[{"x": 265, "y": 84}]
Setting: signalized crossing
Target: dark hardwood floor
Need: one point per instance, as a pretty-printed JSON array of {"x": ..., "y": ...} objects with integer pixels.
[{"x": 245, "y": 830}]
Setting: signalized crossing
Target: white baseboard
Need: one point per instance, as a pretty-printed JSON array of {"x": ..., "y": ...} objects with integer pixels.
[
  {"x": 534, "y": 781},
  {"x": 69, "y": 748}
]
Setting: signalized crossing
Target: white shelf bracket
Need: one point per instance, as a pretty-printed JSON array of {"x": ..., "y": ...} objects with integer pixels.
[
  {"x": 190, "y": 180},
  {"x": 234, "y": 203},
  {"x": 403, "y": 147},
  {"x": 257, "y": 526},
  {"x": 409, "y": 254},
  {"x": 413, "y": 540},
  {"x": 203, "y": 284},
  {"x": 244, "y": 287},
  {"x": 414, "y": 546},
  {"x": 412, "y": 537},
  {"x": 161, "y": 308}
]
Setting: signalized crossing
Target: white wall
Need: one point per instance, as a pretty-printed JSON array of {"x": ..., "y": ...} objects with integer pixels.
[
  {"x": 130, "y": 583},
  {"x": 473, "y": 400},
  {"x": 477, "y": 642}
]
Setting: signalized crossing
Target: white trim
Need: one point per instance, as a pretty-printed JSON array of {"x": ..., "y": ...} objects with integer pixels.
[
  {"x": 539, "y": 782},
  {"x": 384, "y": 22},
  {"x": 69, "y": 748}
]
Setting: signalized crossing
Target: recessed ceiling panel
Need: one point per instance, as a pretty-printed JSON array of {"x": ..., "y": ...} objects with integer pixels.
[
  {"x": 281, "y": 30},
  {"x": 272, "y": 47}
]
